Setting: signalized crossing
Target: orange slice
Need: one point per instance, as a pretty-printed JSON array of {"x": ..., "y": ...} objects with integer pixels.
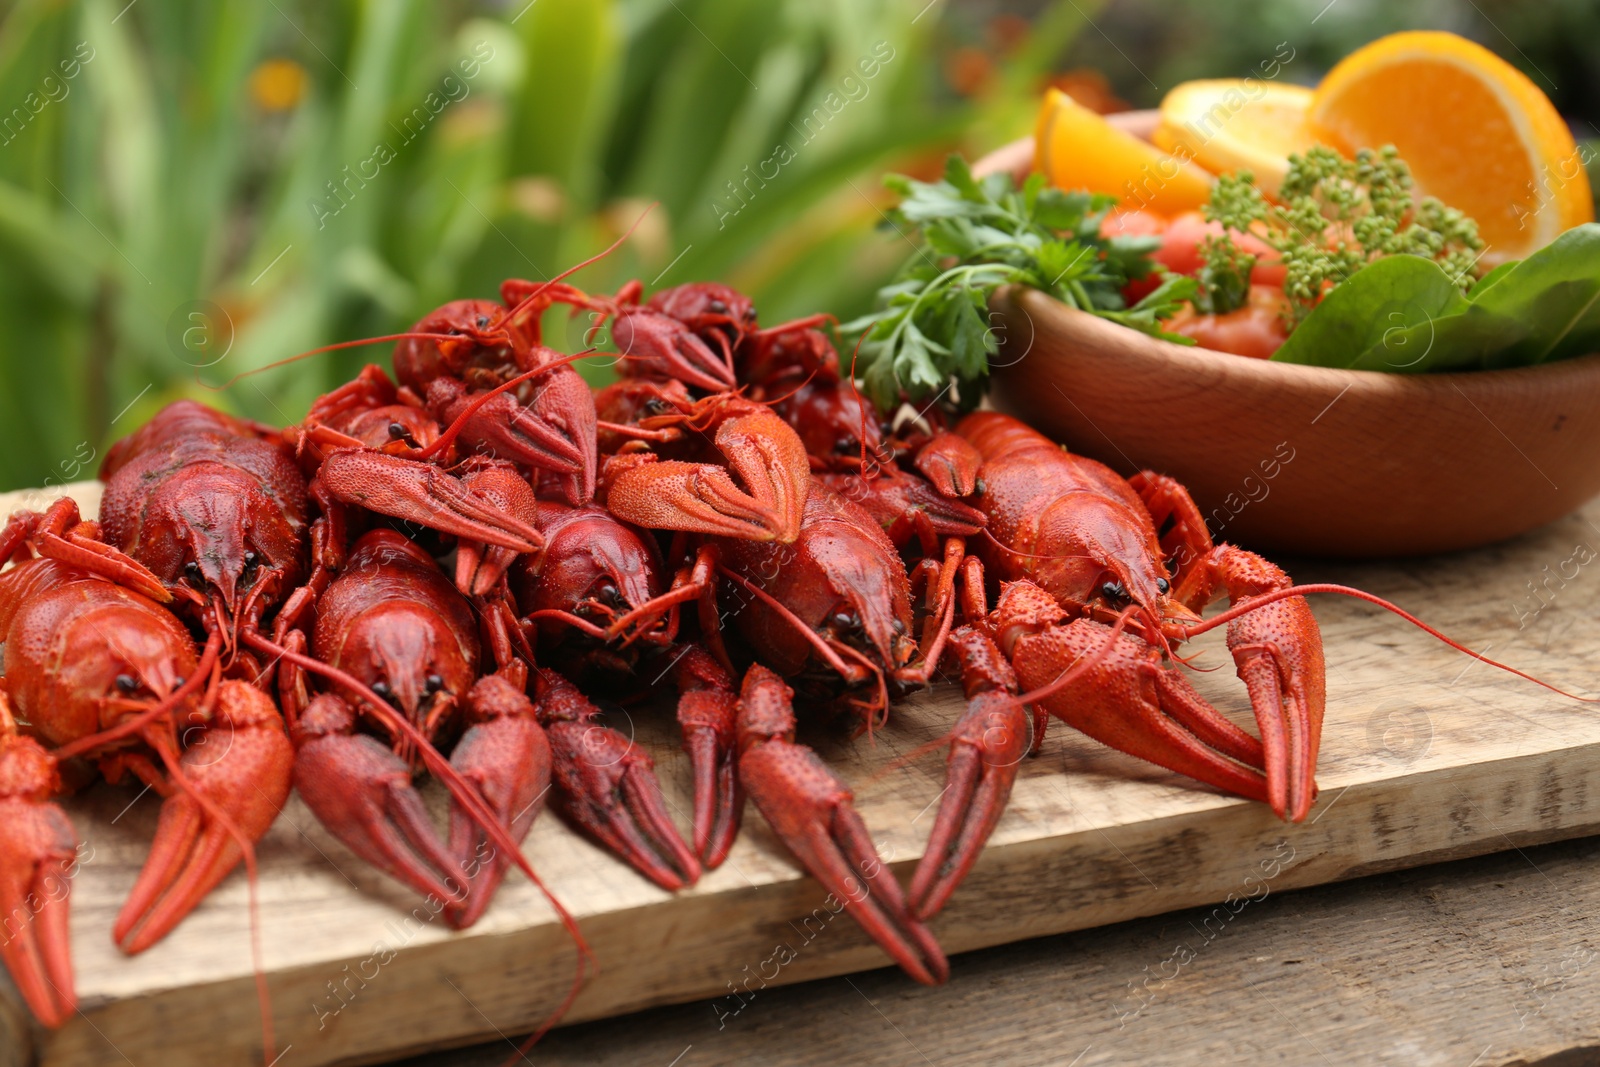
[
  {"x": 1478, "y": 134},
  {"x": 1232, "y": 124},
  {"x": 1077, "y": 149}
]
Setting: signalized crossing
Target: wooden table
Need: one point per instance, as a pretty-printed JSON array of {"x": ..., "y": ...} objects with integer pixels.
[
  {"x": 1488, "y": 962},
  {"x": 1428, "y": 756}
]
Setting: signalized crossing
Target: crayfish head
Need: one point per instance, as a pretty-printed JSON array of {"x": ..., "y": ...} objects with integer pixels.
[
  {"x": 1100, "y": 563},
  {"x": 704, "y": 306},
  {"x": 593, "y": 565},
  {"x": 840, "y": 430},
  {"x": 405, "y": 654},
  {"x": 480, "y": 340}
]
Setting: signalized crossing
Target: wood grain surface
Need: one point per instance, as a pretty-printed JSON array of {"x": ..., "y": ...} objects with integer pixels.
[
  {"x": 1486, "y": 962},
  {"x": 1428, "y": 755}
]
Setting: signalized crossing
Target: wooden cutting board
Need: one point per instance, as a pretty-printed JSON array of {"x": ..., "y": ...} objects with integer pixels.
[{"x": 1427, "y": 755}]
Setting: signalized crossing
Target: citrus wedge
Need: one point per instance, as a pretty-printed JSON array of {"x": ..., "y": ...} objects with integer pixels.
[
  {"x": 1478, "y": 134},
  {"x": 1232, "y": 124},
  {"x": 1077, "y": 149}
]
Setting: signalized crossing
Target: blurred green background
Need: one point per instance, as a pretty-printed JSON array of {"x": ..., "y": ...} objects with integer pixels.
[{"x": 194, "y": 188}]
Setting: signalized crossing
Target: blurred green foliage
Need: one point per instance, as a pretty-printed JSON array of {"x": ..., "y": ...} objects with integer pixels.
[
  {"x": 194, "y": 188},
  {"x": 190, "y": 189}
]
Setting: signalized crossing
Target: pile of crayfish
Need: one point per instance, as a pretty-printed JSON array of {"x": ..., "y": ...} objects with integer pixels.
[{"x": 438, "y": 569}]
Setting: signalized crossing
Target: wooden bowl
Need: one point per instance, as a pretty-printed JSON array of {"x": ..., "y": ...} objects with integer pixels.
[
  {"x": 1308, "y": 459},
  {"x": 1300, "y": 459}
]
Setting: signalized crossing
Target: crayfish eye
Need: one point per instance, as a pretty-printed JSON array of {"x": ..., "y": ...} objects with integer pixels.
[
  {"x": 1162, "y": 585},
  {"x": 716, "y": 307},
  {"x": 845, "y": 620},
  {"x": 845, "y": 445},
  {"x": 483, "y": 322},
  {"x": 899, "y": 626},
  {"x": 381, "y": 688},
  {"x": 191, "y": 570},
  {"x": 433, "y": 683},
  {"x": 1113, "y": 591},
  {"x": 655, "y": 406},
  {"x": 126, "y": 683}
]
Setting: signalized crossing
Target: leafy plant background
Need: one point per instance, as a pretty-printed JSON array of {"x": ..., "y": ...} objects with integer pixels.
[{"x": 158, "y": 213}]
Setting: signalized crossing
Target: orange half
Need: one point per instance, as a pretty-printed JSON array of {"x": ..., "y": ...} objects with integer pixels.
[{"x": 1478, "y": 134}]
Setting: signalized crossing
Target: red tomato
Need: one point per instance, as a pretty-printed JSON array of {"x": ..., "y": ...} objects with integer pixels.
[
  {"x": 1256, "y": 330},
  {"x": 1180, "y": 249}
]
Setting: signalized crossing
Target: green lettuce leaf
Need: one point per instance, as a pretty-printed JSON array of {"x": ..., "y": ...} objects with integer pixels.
[{"x": 1405, "y": 314}]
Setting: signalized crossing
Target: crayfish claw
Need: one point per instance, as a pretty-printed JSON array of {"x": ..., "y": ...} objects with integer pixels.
[
  {"x": 764, "y": 504},
  {"x": 951, "y": 463},
  {"x": 422, "y": 493},
  {"x": 362, "y": 793},
  {"x": 606, "y": 785},
  {"x": 812, "y": 811},
  {"x": 38, "y": 851},
  {"x": 242, "y": 767},
  {"x": 1126, "y": 699},
  {"x": 707, "y": 714},
  {"x": 506, "y": 756}
]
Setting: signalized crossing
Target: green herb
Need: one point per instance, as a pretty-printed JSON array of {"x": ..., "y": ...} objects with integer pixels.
[
  {"x": 931, "y": 335},
  {"x": 1224, "y": 279},
  {"x": 1335, "y": 216},
  {"x": 1407, "y": 314}
]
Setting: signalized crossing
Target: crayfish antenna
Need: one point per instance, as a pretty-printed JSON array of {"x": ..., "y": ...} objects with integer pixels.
[
  {"x": 529, "y": 300},
  {"x": 410, "y": 335},
  {"x": 1344, "y": 590}
]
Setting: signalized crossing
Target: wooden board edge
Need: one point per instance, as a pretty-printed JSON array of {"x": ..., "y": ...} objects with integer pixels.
[{"x": 1221, "y": 856}]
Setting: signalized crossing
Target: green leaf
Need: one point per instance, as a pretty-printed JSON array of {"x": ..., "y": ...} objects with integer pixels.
[
  {"x": 568, "y": 91},
  {"x": 1555, "y": 293},
  {"x": 1385, "y": 299},
  {"x": 995, "y": 234}
]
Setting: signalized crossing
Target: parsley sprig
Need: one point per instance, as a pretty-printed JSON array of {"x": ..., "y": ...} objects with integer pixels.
[
  {"x": 931, "y": 336},
  {"x": 1334, "y": 216}
]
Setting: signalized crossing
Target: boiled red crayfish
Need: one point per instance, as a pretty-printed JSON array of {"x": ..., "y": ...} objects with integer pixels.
[
  {"x": 104, "y": 672},
  {"x": 393, "y": 621},
  {"x": 215, "y": 507}
]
